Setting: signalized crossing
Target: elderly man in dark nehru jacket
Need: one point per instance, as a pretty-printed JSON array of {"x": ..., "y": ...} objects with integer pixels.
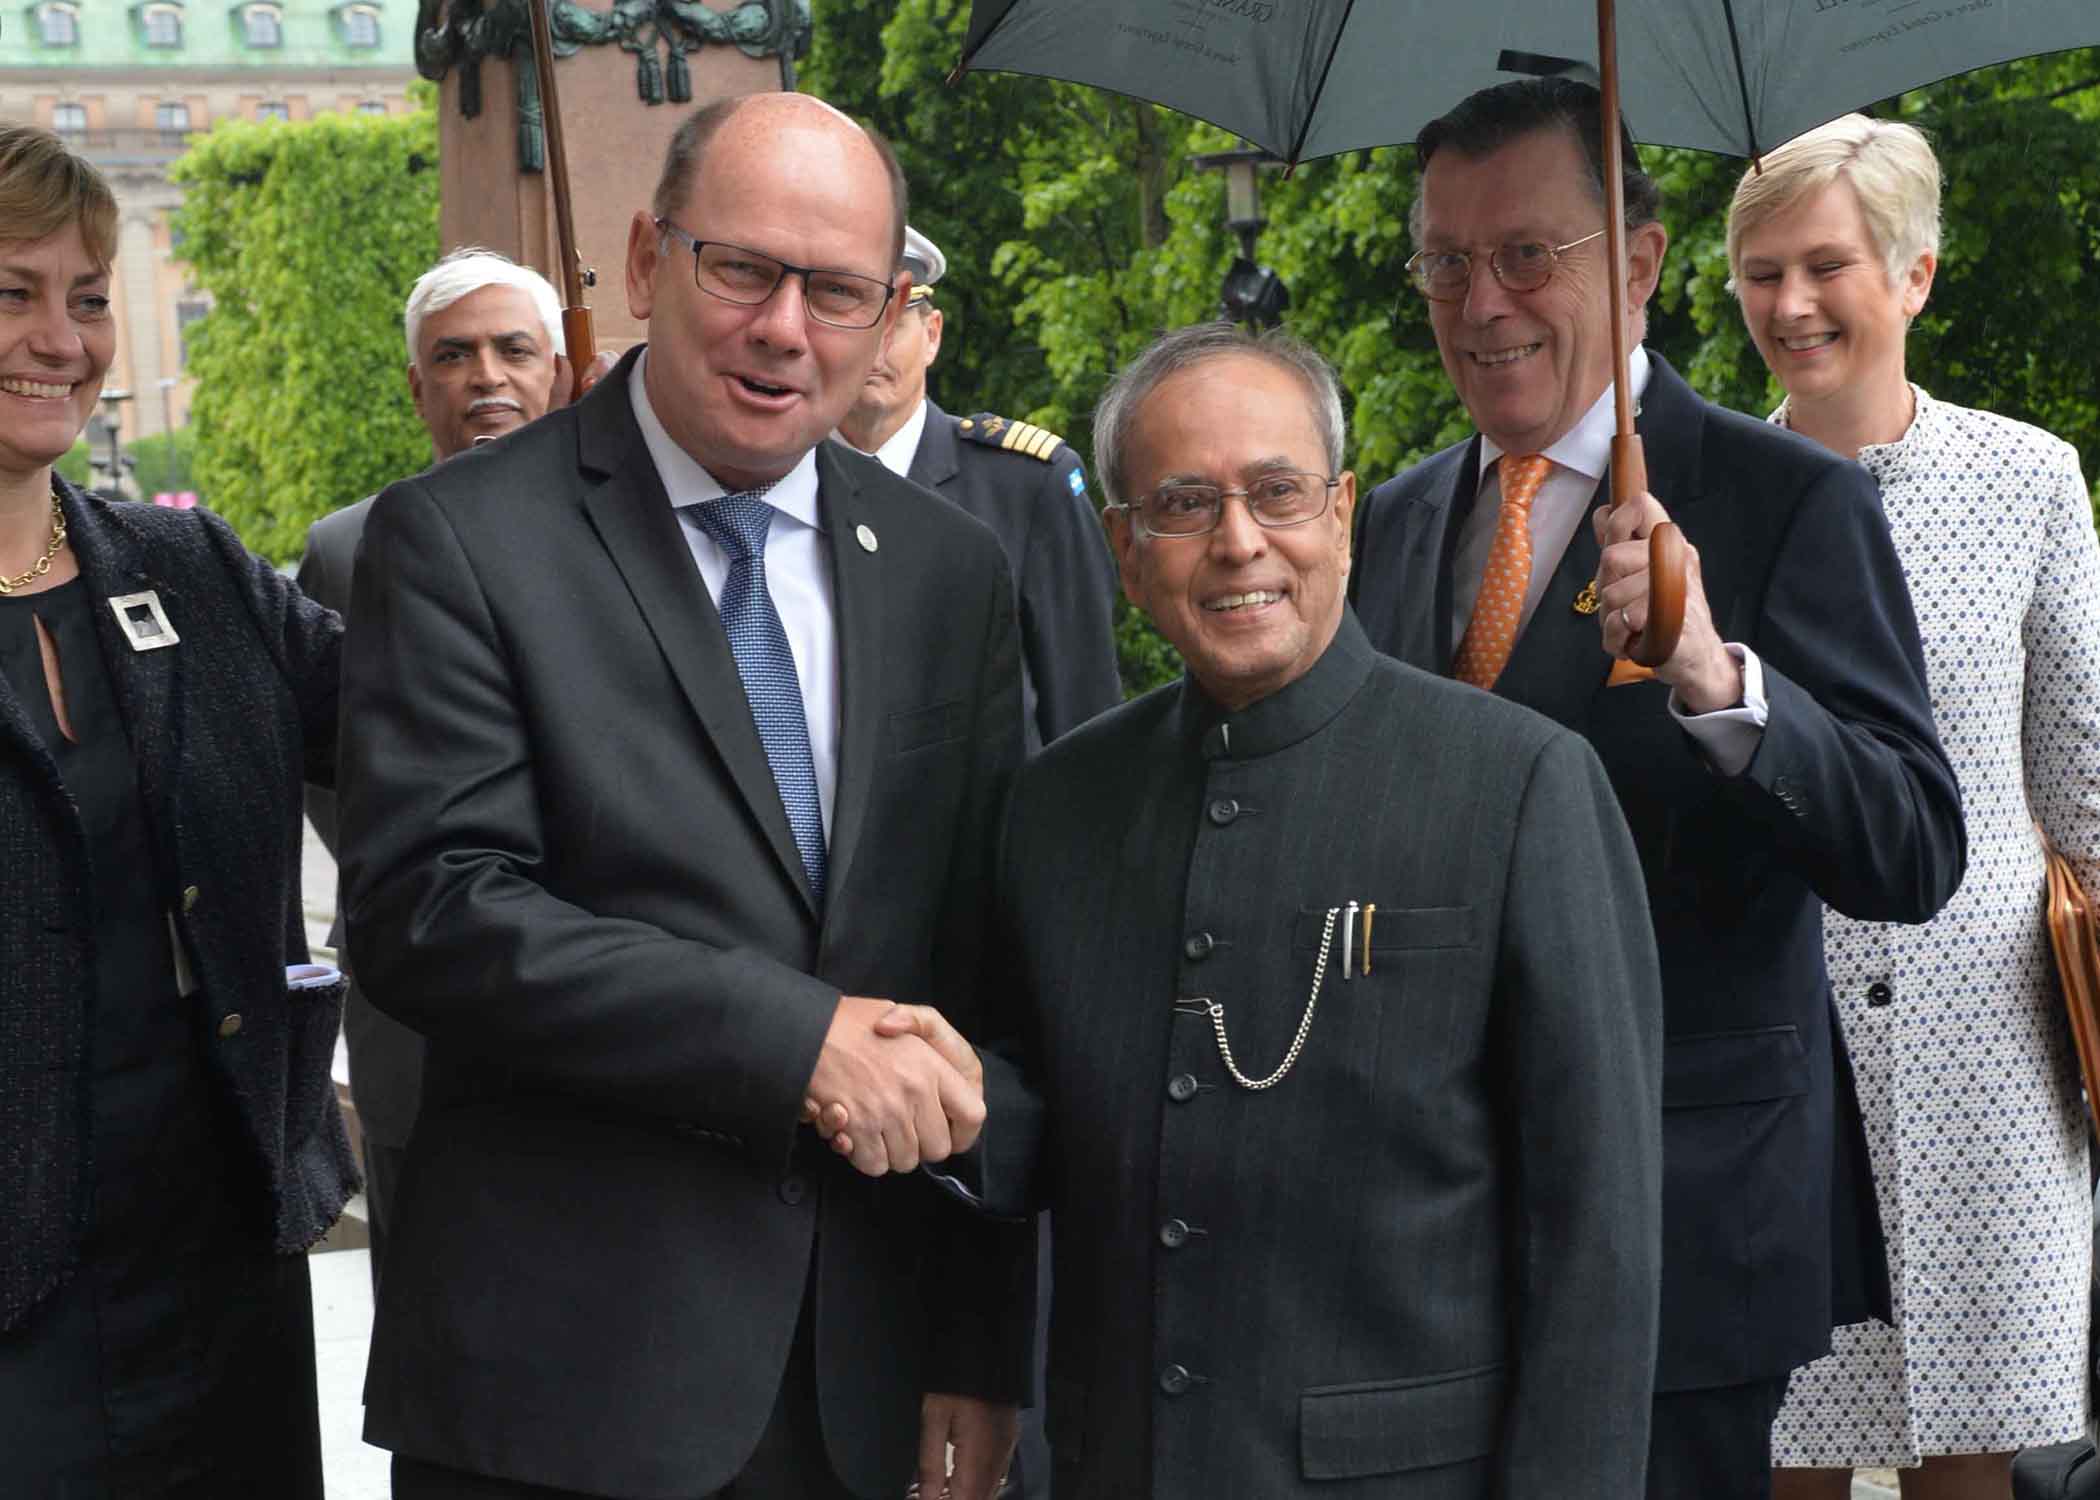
[
  {"x": 1024, "y": 483},
  {"x": 680, "y": 735},
  {"x": 1334, "y": 1027},
  {"x": 1781, "y": 758}
]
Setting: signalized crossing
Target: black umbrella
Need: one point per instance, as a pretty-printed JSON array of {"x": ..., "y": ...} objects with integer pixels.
[{"x": 1311, "y": 78}]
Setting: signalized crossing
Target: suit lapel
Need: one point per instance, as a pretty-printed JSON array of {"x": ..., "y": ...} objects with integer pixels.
[
  {"x": 1460, "y": 490},
  {"x": 1430, "y": 515},
  {"x": 857, "y": 613},
  {"x": 147, "y": 684},
  {"x": 1672, "y": 425},
  {"x": 937, "y": 460},
  {"x": 632, "y": 515}
]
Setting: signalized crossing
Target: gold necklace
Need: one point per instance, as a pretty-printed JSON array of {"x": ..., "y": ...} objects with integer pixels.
[{"x": 43, "y": 564}]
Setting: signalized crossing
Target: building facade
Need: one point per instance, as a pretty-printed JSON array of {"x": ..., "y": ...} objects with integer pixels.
[{"x": 129, "y": 81}]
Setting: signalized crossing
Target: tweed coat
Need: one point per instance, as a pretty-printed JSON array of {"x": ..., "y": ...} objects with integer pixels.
[
  {"x": 225, "y": 726},
  {"x": 1966, "y": 1075}
]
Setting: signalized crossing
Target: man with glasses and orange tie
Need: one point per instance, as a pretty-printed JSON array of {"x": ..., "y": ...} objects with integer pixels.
[
  {"x": 681, "y": 736},
  {"x": 1782, "y": 757}
]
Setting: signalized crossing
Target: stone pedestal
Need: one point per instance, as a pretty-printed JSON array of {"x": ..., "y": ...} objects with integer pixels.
[{"x": 615, "y": 138}]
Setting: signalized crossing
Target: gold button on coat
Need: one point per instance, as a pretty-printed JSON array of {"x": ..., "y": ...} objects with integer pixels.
[{"x": 230, "y": 1026}]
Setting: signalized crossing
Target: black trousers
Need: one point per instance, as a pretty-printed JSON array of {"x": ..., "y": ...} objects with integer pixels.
[
  {"x": 1714, "y": 1444},
  {"x": 1028, "y": 1477},
  {"x": 790, "y": 1463},
  {"x": 382, "y": 1171}
]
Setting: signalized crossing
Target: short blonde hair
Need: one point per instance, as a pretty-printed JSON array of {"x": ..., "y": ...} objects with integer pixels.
[
  {"x": 44, "y": 186},
  {"x": 1890, "y": 166}
]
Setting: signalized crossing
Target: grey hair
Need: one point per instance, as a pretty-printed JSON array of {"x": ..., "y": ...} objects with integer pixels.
[
  {"x": 1184, "y": 349},
  {"x": 465, "y": 272}
]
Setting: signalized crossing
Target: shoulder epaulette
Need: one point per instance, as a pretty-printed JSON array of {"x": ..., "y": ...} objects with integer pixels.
[{"x": 1017, "y": 437}]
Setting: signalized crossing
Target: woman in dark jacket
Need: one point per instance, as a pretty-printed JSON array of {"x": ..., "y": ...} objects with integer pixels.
[{"x": 169, "y": 1140}]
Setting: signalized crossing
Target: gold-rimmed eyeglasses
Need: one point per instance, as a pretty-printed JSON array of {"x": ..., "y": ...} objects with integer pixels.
[
  {"x": 1275, "y": 501},
  {"x": 749, "y": 278},
  {"x": 1521, "y": 266}
]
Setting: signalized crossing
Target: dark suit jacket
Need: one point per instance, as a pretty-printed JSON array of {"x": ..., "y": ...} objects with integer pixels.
[
  {"x": 386, "y": 1058},
  {"x": 1770, "y": 1234},
  {"x": 1421, "y": 1265},
  {"x": 568, "y": 867},
  {"x": 1064, "y": 581},
  {"x": 224, "y": 726}
]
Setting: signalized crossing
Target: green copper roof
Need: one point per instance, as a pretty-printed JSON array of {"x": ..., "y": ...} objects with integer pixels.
[{"x": 213, "y": 34}]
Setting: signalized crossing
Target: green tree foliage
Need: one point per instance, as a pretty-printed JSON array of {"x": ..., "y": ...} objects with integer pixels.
[
  {"x": 74, "y": 466},
  {"x": 1051, "y": 204},
  {"x": 166, "y": 461},
  {"x": 308, "y": 237},
  {"x": 1076, "y": 230}
]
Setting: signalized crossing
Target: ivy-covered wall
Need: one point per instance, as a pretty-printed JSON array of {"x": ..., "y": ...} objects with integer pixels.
[{"x": 308, "y": 237}]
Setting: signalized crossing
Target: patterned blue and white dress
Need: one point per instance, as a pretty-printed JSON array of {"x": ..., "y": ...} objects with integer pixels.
[{"x": 1966, "y": 1072}]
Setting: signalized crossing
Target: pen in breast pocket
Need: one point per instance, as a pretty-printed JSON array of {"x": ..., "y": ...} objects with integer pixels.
[
  {"x": 1370, "y": 911},
  {"x": 1348, "y": 938}
]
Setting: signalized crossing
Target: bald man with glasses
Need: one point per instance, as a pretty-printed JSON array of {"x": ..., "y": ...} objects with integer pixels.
[{"x": 681, "y": 736}]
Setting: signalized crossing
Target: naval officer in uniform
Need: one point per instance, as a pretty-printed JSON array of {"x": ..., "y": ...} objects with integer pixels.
[{"x": 1024, "y": 483}]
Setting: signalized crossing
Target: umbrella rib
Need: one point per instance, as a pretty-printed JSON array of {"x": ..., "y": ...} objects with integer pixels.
[
  {"x": 1742, "y": 81},
  {"x": 1312, "y": 106}
]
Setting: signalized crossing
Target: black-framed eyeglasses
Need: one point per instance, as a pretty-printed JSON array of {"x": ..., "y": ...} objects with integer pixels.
[
  {"x": 749, "y": 278},
  {"x": 1286, "y": 498},
  {"x": 1522, "y": 266}
]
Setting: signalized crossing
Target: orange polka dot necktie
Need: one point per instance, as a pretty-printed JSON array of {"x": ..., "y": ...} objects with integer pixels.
[{"x": 1498, "y": 609}]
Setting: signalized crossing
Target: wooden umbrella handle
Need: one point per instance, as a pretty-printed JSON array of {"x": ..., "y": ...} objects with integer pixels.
[
  {"x": 582, "y": 346},
  {"x": 1666, "y": 558},
  {"x": 568, "y": 265}
]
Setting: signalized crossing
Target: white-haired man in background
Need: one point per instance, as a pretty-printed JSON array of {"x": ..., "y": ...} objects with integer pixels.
[{"x": 485, "y": 356}]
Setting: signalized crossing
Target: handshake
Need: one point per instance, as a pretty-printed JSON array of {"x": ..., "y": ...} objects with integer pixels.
[{"x": 894, "y": 1086}]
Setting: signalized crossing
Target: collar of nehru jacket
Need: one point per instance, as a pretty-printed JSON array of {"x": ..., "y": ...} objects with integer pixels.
[{"x": 1294, "y": 712}]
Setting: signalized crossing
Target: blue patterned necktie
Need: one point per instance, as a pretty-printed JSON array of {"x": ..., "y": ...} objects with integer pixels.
[{"x": 766, "y": 662}]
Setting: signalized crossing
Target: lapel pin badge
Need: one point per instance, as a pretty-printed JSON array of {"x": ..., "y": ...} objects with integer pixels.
[
  {"x": 866, "y": 537},
  {"x": 1586, "y": 601},
  {"x": 143, "y": 621}
]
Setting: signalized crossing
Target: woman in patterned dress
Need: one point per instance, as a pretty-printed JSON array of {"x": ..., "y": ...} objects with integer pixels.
[{"x": 1965, "y": 1068}]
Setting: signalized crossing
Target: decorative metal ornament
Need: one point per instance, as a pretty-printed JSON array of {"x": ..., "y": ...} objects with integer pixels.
[
  {"x": 143, "y": 621},
  {"x": 460, "y": 33},
  {"x": 1586, "y": 601}
]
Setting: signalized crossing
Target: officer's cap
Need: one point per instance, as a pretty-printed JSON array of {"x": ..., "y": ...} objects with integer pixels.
[{"x": 923, "y": 258}]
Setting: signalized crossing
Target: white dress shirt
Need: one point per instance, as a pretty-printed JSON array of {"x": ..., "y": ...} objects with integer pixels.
[
  {"x": 901, "y": 447},
  {"x": 798, "y": 574},
  {"x": 1730, "y": 736}
]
